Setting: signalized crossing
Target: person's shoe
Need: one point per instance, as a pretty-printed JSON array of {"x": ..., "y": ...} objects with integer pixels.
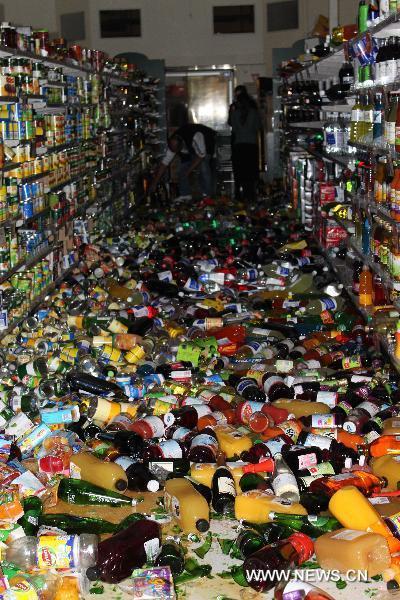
[{"x": 182, "y": 198}]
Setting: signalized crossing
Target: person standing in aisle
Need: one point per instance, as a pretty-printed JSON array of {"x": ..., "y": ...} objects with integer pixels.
[
  {"x": 195, "y": 146},
  {"x": 245, "y": 121}
]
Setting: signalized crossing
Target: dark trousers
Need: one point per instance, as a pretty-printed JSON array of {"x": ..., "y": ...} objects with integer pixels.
[{"x": 245, "y": 170}]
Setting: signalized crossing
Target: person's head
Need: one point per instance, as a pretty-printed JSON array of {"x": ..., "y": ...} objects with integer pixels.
[
  {"x": 175, "y": 143},
  {"x": 239, "y": 90}
]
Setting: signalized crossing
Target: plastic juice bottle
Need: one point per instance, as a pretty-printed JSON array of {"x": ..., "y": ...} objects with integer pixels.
[
  {"x": 10, "y": 506},
  {"x": 354, "y": 511},
  {"x": 391, "y": 426},
  {"x": 365, "y": 293},
  {"x": 188, "y": 506},
  {"x": 302, "y": 408},
  {"x": 85, "y": 465},
  {"x": 231, "y": 441},
  {"x": 255, "y": 506},
  {"x": 346, "y": 549},
  {"x": 385, "y": 444}
]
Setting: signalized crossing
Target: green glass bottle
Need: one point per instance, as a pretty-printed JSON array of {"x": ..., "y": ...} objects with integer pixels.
[
  {"x": 171, "y": 555},
  {"x": 78, "y": 491},
  {"x": 253, "y": 481},
  {"x": 74, "y": 524},
  {"x": 247, "y": 542},
  {"x": 313, "y": 525}
]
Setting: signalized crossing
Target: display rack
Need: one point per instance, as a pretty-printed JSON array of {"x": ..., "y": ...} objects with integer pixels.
[
  {"x": 95, "y": 168},
  {"x": 301, "y": 141}
]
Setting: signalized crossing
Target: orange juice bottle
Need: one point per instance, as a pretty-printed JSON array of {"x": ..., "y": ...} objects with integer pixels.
[
  {"x": 365, "y": 291},
  {"x": 232, "y": 442},
  {"x": 256, "y": 505},
  {"x": 10, "y": 506},
  {"x": 85, "y": 465},
  {"x": 187, "y": 505},
  {"x": 387, "y": 466},
  {"x": 386, "y": 444},
  {"x": 354, "y": 511},
  {"x": 346, "y": 549}
]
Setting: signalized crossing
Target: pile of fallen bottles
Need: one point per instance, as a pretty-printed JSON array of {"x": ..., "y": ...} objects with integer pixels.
[{"x": 210, "y": 358}]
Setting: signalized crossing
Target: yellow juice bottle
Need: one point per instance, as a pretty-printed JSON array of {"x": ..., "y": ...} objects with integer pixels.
[
  {"x": 186, "y": 505},
  {"x": 354, "y": 511},
  {"x": 256, "y": 505},
  {"x": 302, "y": 408},
  {"x": 85, "y": 465},
  {"x": 346, "y": 549},
  {"x": 387, "y": 466},
  {"x": 231, "y": 441}
]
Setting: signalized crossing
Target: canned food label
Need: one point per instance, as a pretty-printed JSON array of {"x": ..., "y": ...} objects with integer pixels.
[{"x": 56, "y": 551}]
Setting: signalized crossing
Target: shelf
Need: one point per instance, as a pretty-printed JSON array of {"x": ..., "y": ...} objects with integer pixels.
[
  {"x": 329, "y": 66},
  {"x": 307, "y": 125},
  {"x": 343, "y": 275},
  {"x": 36, "y": 302},
  {"x": 322, "y": 155},
  {"x": 374, "y": 149}
]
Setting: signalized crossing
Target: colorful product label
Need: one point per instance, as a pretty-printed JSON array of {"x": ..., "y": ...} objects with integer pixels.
[{"x": 56, "y": 551}]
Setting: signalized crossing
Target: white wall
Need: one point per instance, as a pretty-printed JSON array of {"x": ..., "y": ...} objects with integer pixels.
[
  {"x": 38, "y": 13},
  {"x": 181, "y": 31},
  {"x": 309, "y": 10}
]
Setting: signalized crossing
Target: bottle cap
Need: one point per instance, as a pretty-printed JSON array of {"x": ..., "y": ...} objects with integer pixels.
[
  {"x": 303, "y": 545},
  {"x": 153, "y": 485},
  {"x": 121, "y": 485},
  {"x": 93, "y": 573},
  {"x": 265, "y": 466},
  {"x": 203, "y": 525}
]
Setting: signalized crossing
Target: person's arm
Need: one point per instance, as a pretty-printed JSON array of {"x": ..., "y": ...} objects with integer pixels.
[
  {"x": 199, "y": 147},
  {"x": 163, "y": 166}
]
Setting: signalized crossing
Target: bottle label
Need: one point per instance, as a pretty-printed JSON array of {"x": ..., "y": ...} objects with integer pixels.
[
  {"x": 329, "y": 303},
  {"x": 203, "y": 439},
  {"x": 370, "y": 407},
  {"x": 172, "y": 504},
  {"x": 291, "y": 428},
  {"x": 328, "y": 398},
  {"x": 379, "y": 500},
  {"x": 123, "y": 461},
  {"x": 325, "y": 468},
  {"x": 326, "y": 317},
  {"x": 285, "y": 482},
  {"x": 323, "y": 443},
  {"x": 307, "y": 460},
  {"x": 323, "y": 421},
  {"x": 351, "y": 362},
  {"x": 371, "y": 436},
  {"x": 74, "y": 470},
  {"x": 357, "y": 115},
  {"x": 156, "y": 425},
  {"x": 170, "y": 449},
  {"x": 56, "y": 551},
  {"x": 152, "y": 548},
  {"x": 248, "y": 409},
  {"x": 226, "y": 485},
  {"x": 275, "y": 445},
  {"x": 270, "y": 382},
  {"x": 180, "y": 433},
  {"x": 348, "y": 534},
  {"x": 343, "y": 476}
]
